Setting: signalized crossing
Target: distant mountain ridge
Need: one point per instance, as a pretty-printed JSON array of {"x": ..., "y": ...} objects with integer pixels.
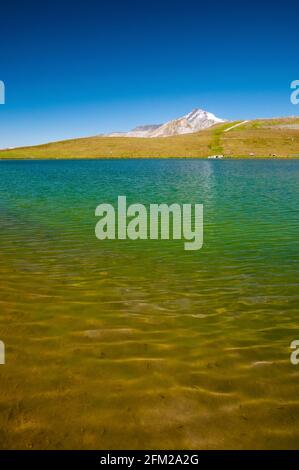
[{"x": 195, "y": 121}]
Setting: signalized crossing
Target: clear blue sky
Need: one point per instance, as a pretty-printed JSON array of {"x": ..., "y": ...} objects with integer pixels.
[{"x": 86, "y": 67}]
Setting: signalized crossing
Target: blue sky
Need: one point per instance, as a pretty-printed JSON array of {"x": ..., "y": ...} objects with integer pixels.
[{"x": 73, "y": 69}]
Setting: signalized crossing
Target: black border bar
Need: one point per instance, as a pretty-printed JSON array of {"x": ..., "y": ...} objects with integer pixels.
[{"x": 146, "y": 459}]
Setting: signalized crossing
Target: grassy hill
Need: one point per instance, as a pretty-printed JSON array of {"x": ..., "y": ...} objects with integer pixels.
[{"x": 258, "y": 138}]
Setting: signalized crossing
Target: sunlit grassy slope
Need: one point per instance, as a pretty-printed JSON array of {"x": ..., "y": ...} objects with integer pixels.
[{"x": 258, "y": 138}]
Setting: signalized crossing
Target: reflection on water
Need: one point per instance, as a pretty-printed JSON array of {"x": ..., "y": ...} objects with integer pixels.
[{"x": 125, "y": 344}]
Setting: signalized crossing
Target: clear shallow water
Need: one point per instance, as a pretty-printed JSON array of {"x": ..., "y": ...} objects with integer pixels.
[{"x": 140, "y": 344}]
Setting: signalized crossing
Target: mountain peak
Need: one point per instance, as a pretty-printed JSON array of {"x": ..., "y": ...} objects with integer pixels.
[{"x": 197, "y": 120}]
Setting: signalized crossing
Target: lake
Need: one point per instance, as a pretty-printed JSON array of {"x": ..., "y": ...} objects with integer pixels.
[{"x": 122, "y": 344}]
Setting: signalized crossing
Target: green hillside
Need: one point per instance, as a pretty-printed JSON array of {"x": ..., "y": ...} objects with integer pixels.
[{"x": 258, "y": 138}]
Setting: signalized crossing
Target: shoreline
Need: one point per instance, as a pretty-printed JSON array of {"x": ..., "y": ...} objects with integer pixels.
[{"x": 39, "y": 159}]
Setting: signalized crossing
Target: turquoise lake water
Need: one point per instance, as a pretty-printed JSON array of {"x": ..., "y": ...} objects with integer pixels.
[{"x": 141, "y": 344}]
